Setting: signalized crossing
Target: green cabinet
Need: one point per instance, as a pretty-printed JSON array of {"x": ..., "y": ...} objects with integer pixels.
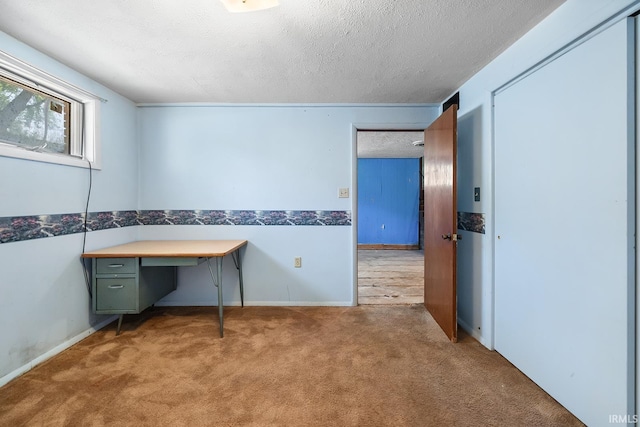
[{"x": 126, "y": 286}]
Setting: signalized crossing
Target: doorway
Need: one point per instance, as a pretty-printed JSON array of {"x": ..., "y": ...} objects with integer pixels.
[{"x": 389, "y": 256}]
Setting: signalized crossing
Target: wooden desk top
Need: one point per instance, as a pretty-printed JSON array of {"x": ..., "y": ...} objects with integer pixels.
[{"x": 168, "y": 248}]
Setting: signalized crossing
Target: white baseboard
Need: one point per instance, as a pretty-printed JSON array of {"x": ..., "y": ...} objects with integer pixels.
[
  {"x": 300, "y": 303},
  {"x": 474, "y": 333},
  {"x": 56, "y": 350},
  {"x": 201, "y": 303}
]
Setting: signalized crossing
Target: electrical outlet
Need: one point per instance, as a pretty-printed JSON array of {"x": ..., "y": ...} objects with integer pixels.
[
  {"x": 343, "y": 193},
  {"x": 297, "y": 262}
]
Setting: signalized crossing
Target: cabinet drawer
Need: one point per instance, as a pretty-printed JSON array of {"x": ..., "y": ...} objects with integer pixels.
[
  {"x": 116, "y": 265},
  {"x": 116, "y": 294}
]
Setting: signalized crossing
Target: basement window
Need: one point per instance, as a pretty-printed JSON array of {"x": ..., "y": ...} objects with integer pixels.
[{"x": 45, "y": 119}]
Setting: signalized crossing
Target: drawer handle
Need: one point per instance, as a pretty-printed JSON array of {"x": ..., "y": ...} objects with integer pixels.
[
  {"x": 116, "y": 286},
  {"x": 116, "y": 265}
]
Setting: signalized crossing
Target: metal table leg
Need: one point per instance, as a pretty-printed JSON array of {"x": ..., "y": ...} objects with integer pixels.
[
  {"x": 238, "y": 262},
  {"x": 119, "y": 324},
  {"x": 220, "y": 302},
  {"x": 217, "y": 282}
]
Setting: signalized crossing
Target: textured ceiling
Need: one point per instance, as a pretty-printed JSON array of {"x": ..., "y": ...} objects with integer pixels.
[
  {"x": 304, "y": 51},
  {"x": 393, "y": 144}
]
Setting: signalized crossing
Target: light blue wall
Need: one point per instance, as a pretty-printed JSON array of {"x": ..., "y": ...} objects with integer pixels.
[
  {"x": 476, "y": 263},
  {"x": 388, "y": 201},
  {"x": 270, "y": 157},
  {"x": 44, "y": 304},
  {"x": 546, "y": 292},
  {"x": 475, "y": 139}
]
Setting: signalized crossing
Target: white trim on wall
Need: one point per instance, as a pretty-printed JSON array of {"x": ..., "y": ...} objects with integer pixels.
[{"x": 272, "y": 105}]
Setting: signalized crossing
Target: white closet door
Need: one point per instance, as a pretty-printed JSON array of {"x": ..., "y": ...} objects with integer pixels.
[{"x": 564, "y": 224}]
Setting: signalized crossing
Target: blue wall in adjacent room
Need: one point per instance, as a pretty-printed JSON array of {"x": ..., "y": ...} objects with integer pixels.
[{"x": 388, "y": 201}]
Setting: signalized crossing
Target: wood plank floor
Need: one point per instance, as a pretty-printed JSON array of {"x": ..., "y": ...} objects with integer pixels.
[{"x": 390, "y": 277}]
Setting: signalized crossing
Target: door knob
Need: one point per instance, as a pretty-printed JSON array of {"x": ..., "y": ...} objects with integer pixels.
[{"x": 454, "y": 237}]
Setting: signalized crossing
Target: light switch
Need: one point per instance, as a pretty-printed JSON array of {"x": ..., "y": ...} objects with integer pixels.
[{"x": 476, "y": 194}]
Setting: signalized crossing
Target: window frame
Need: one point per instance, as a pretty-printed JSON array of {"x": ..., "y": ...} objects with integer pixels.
[{"x": 84, "y": 144}]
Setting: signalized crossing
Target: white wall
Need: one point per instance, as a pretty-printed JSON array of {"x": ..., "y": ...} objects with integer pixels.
[
  {"x": 45, "y": 305},
  {"x": 263, "y": 158}
]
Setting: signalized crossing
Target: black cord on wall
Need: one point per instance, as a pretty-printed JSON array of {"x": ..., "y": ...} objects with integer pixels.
[{"x": 85, "y": 261}]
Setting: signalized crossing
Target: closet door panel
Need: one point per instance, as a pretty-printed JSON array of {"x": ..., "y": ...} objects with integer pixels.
[{"x": 564, "y": 226}]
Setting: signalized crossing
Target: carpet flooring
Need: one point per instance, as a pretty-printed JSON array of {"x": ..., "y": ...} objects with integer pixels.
[{"x": 278, "y": 366}]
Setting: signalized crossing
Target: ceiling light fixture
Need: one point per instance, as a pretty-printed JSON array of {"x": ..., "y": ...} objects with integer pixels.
[
  {"x": 248, "y": 5},
  {"x": 418, "y": 143}
]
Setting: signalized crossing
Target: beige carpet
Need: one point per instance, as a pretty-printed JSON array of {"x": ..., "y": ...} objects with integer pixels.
[{"x": 278, "y": 366}]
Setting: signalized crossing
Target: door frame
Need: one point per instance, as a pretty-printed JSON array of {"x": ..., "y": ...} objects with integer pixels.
[{"x": 355, "y": 127}]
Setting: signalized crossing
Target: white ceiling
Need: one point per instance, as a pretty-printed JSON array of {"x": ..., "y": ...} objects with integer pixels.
[
  {"x": 304, "y": 51},
  {"x": 393, "y": 144}
]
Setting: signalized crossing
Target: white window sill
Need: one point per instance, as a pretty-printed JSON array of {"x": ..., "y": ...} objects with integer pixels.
[{"x": 60, "y": 159}]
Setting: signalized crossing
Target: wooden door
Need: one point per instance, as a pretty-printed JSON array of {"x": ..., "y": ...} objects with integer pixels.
[{"x": 440, "y": 221}]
